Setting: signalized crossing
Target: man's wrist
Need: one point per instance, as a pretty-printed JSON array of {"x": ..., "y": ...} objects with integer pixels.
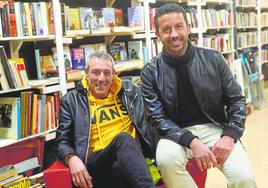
[{"x": 67, "y": 158}]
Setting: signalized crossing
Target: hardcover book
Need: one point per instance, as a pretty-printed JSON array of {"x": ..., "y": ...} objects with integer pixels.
[
  {"x": 86, "y": 16},
  {"x": 89, "y": 49},
  {"x": 78, "y": 58},
  {"x": 10, "y": 118}
]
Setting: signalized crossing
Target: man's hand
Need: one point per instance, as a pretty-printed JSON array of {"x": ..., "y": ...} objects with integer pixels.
[
  {"x": 80, "y": 175},
  {"x": 222, "y": 148},
  {"x": 204, "y": 157}
]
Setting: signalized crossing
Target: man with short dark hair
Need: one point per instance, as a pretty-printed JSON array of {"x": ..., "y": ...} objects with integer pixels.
[
  {"x": 195, "y": 103},
  {"x": 102, "y": 131}
]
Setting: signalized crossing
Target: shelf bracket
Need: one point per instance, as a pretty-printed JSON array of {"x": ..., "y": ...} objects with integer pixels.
[
  {"x": 14, "y": 48},
  {"x": 109, "y": 39},
  {"x": 109, "y": 3}
]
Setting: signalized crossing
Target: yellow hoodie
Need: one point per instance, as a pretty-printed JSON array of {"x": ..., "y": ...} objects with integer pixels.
[{"x": 108, "y": 116}]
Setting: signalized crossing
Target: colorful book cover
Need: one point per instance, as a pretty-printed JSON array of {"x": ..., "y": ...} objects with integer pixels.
[
  {"x": 86, "y": 15},
  {"x": 78, "y": 58},
  {"x": 10, "y": 118}
]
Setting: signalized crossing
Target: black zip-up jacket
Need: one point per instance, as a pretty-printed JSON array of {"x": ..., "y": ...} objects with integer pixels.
[
  {"x": 72, "y": 136},
  {"x": 217, "y": 92}
]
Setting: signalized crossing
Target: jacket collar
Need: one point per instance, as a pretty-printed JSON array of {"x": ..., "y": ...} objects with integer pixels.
[{"x": 182, "y": 60}]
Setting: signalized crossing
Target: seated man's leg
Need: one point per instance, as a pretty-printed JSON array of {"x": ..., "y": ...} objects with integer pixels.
[
  {"x": 237, "y": 169},
  {"x": 171, "y": 160},
  {"x": 126, "y": 152}
]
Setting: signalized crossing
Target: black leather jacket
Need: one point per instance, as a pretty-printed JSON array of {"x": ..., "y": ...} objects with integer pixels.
[
  {"x": 217, "y": 93},
  {"x": 72, "y": 136}
]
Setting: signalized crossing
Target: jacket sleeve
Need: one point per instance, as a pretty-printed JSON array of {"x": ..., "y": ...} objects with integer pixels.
[
  {"x": 65, "y": 131},
  {"x": 155, "y": 110},
  {"x": 234, "y": 101}
]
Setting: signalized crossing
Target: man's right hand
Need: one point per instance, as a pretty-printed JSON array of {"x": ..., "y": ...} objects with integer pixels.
[
  {"x": 204, "y": 157},
  {"x": 80, "y": 175}
]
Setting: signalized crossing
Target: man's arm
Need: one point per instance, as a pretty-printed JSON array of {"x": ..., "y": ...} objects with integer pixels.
[
  {"x": 65, "y": 131},
  {"x": 155, "y": 111},
  {"x": 233, "y": 100},
  {"x": 65, "y": 150},
  {"x": 236, "y": 113}
]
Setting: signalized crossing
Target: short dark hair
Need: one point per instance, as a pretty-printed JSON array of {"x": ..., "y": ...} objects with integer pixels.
[{"x": 168, "y": 8}]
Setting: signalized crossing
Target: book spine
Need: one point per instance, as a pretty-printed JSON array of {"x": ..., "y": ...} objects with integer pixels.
[
  {"x": 38, "y": 64},
  {"x": 7, "y": 68}
]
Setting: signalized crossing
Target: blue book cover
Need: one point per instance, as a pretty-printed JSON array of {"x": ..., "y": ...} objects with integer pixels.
[{"x": 78, "y": 58}]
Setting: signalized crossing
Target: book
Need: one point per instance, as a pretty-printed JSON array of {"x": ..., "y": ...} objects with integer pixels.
[
  {"x": 28, "y": 164},
  {"x": 74, "y": 19},
  {"x": 119, "y": 17},
  {"x": 19, "y": 183},
  {"x": 86, "y": 16},
  {"x": 135, "y": 16},
  {"x": 108, "y": 16},
  {"x": 3, "y": 79},
  {"x": 7, "y": 68},
  {"x": 118, "y": 51},
  {"x": 67, "y": 56},
  {"x": 10, "y": 118},
  {"x": 78, "y": 58},
  {"x": 135, "y": 49},
  {"x": 89, "y": 49},
  {"x": 38, "y": 64},
  {"x": 19, "y": 65},
  {"x": 10, "y": 179},
  {"x": 7, "y": 172}
]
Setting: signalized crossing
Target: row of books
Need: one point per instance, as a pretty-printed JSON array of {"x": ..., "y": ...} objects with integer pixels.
[
  {"x": 264, "y": 55},
  {"x": 26, "y": 19},
  {"x": 220, "y": 42},
  {"x": 246, "y": 19},
  {"x": 80, "y": 56},
  {"x": 11, "y": 178},
  {"x": 102, "y": 20},
  {"x": 12, "y": 71},
  {"x": 28, "y": 115},
  {"x": 264, "y": 36},
  {"x": 245, "y": 39},
  {"x": 246, "y": 3},
  {"x": 264, "y": 18},
  {"x": 216, "y": 18}
]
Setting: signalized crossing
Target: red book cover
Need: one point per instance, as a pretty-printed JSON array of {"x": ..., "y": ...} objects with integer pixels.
[{"x": 12, "y": 19}]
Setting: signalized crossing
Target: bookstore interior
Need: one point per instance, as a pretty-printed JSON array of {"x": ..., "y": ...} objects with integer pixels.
[{"x": 45, "y": 45}]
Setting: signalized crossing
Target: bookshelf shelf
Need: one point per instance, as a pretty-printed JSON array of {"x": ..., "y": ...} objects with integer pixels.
[
  {"x": 15, "y": 90},
  {"x": 219, "y": 27},
  {"x": 246, "y": 27},
  {"x": 250, "y": 46},
  {"x": 217, "y": 2},
  {"x": 6, "y": 142},
  {"x": 228, "y": 52},
  {"x": 29, "y": 38}
]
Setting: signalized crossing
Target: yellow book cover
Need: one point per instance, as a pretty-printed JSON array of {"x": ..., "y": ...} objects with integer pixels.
[
  {"x": 34, "y": 114},
  {"x": 74, "y": 19},
  {"x": 7, "y": 172}
]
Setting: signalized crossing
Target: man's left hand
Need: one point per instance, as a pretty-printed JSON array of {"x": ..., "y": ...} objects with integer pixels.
[{"x": 222, "y": 148}]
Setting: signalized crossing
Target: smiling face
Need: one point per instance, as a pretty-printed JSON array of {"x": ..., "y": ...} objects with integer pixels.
[
  {"x": 100, "y": 74},
  {"x": 173, "y": 32}
]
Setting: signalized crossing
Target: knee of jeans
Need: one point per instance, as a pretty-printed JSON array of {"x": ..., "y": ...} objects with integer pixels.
[
  {"x": 126, "y": 137},
  {"x": 170, "y": 159}
]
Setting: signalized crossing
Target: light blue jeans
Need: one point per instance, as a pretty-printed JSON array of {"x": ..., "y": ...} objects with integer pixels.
[{"x": 172, "y": 159}]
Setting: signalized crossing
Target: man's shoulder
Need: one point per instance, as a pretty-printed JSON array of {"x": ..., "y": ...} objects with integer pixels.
[{"x": 207, "y": 51}]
